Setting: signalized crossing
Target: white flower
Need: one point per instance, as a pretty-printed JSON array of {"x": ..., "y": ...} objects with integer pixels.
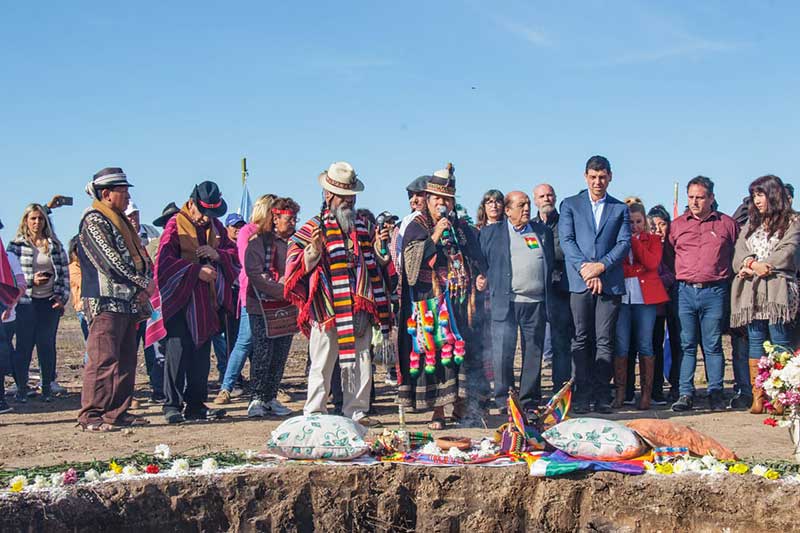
[
  {"x": 130, "y": 470},
  {"x": 759, "y": 470},
  {"x": 179, "y": 466},
  {"x": 40, "y": 482},
  {"x": 709, "y": 461},
  {"x": 694, "y": 465},
  {"x": 162, "y": 451},
  {"x": 249, "y": 454},
  {"x": 457, "y": 454},
  {"x": 209, "y": 465},
  {"x": 719, "y": 468},
  {"x": 18, "y": 483},
  {"x": 431, "y": 449},
  {"x": 487, "y": 448},
  {"x": 91, "y": 475},
  {"x": 679, "y": 466},
  {"x": 791, "y": 373},
  {"x": 108, "y": 474},
  {"x": 57, "y": 480},
  {"x": 784, "y": 423}
]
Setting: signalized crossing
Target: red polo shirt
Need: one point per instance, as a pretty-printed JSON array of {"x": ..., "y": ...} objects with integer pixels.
[{"x": 703, "y": 248}]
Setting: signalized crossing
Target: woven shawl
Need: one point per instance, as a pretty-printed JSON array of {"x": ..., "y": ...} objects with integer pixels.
[{"x": 324, "y": 295}]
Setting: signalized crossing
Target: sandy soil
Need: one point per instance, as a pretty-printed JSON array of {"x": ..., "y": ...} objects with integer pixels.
[{"x": 44, "y": 434}]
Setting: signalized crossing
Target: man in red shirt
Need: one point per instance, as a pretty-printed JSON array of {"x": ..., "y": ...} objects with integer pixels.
[{"x": 703, "y": 239}]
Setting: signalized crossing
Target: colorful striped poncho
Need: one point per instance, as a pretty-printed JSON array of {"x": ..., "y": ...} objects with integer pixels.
[
  {"x": 179, "y": 286},
  {"x": 325, "y": 295}
]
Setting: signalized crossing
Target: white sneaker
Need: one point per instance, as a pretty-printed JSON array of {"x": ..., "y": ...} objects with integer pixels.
[
  {"x": 12, "y": 390},
  {"x": 257, "y": 409},
  {"x": 236, "y": 392},
  {"x": 278, "y": 409},
  {"x": 55, "y": 388}
]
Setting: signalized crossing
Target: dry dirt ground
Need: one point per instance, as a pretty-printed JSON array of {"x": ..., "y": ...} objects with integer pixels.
[{"x": 38, "y": 433}]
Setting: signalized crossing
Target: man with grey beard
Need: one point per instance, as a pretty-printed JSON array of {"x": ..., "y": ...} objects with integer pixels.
[
  {"x": 561, "y": 327},
  {"x": 335, "y": 276}
]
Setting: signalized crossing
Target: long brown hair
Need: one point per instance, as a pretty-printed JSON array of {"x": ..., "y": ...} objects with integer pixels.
[
  {"x": 491, "y": 194},
  {"x": 779, "y": 213},
  {"x": 47, "y": 231}
]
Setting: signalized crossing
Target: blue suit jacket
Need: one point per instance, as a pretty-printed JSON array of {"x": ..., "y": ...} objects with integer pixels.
[
  {"x": 582, "y": 243},
  {"x": 496, "y": 247}
]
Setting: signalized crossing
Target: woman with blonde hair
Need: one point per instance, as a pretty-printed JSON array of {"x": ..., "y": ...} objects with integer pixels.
[
  {"x": 46, "y": 268},
  {"x": 260, "y": 220}
]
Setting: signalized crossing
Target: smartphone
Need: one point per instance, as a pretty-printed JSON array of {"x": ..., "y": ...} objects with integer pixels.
[
  {"x": 66, "y": 200},
  {"x": 47, "y": 274}
]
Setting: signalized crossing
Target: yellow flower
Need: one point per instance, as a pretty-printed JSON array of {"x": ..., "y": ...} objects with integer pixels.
[
  {"x": 18, "y": 483},
  {"x": 768, "y": 347},
  {"x": 739, "y": 468},
  {"x": 772, "y": 474},
  {"x": 114, "y": 467},
  {"x": 665, "y": 469}
]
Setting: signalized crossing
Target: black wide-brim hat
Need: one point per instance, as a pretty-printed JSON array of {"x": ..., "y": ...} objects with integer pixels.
[
  {"x": 167, "y": 213},
  {"x": 208, "y": 199}
]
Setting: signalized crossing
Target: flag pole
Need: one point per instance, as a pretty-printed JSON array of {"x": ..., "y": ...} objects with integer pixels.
[
  {"x": 675, "y": 201},
  {"x": 244, "y": 171}
]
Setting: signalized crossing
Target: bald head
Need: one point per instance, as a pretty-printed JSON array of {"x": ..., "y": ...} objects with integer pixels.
[
  {"x": 518, "y": 208},
  {"x": 544, "y": 197}
]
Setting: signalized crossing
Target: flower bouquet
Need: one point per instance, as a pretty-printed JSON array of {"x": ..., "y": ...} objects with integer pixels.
[{"x": 779, "y": 376}]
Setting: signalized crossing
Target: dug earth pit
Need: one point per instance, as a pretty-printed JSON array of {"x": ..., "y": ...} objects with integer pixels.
[{"x": 392, "y": 497}]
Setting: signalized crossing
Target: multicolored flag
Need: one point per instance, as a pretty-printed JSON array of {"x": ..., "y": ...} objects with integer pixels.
[{"x": 557, "y": 408}]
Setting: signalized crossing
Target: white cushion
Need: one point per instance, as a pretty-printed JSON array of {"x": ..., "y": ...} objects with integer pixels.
[
  {"x": 318, "y": 436},
  {"x": 595, "y": 438}
]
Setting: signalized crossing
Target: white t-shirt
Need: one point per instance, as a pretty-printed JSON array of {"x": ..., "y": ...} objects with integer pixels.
[{"x": 16, "y": 269}]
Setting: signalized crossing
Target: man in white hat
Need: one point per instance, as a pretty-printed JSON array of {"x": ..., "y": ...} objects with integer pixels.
[{"x": 334, "y": 274}]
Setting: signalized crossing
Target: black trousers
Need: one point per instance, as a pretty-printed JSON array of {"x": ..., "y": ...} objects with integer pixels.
[
  {"x": 37, "y": 324},
  {"x": 529, "y": 319},
  {"x": 595, "y": 317},
  {"x": 561, "y": 332},
  {"x": 186, "y": 367}
]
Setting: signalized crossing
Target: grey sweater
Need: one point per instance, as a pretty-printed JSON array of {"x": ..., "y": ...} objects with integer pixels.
[{"x": 527, "y": 266}]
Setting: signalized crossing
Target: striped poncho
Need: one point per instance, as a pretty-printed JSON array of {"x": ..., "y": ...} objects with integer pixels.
[
  {"x": 333, "y": 292},
  {"x": 179, "y": 285}
]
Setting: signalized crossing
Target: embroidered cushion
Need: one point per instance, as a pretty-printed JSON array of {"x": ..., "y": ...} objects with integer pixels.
[
  {"x": 594, "y": 438},
  {"x": 318, "y": 436}
]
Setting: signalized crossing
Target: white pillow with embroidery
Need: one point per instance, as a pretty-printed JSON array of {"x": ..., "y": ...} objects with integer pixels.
[
  {"x": 595, "y": 438},
  {"x": 318, "y": 436}
]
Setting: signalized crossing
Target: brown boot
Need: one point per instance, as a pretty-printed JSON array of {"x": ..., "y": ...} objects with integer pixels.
[
  {"x": 757, "y": 407},
  {"x": 647, "y": 365},
  {"x": 620, "y": 380}
]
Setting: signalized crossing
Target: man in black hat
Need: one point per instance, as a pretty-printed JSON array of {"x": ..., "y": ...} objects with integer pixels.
[
  {"x": 116, "y": 283},
  {"x": 195, "y": 270}
]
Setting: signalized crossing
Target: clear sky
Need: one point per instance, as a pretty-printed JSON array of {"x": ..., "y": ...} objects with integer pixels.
[{"x": 513, "y": 93}]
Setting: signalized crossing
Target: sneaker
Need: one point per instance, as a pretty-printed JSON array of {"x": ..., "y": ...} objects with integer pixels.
[
  {"x": 55, "y": 388},
  {"x": 258, "y": 409},
  {"x": 684, "y": 403},
  {"x": 203, "y": 413},
  {"x": 173, "y": 416},
  {"x": 12, "y": 390},
  {"x": 236, "y": 392},
  {"x": 4, "y": 407},
  {"x": 389, "y": 381},
  {"x": 284, "y": 396},
  {"x": 716, "y": 400},
  {"x": 278, "y": 409},
  {"x": 223, "y": 398}
]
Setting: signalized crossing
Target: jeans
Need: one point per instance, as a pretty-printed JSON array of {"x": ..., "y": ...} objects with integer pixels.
[
  {"x": 220, "y": 344},
  {"x": 37, "y": 324},
  {"x": 529, "y": 319},
  {"x": 702, "y": 314},
  {"x": 638, "y": 319},
  {"x": 759, "y": 331},
  {"x": 241, "y": 351},
  {"x": 153, "y": 361},
  {"x": 595, "y": 317},
  {"x": 740, "y": 355}
]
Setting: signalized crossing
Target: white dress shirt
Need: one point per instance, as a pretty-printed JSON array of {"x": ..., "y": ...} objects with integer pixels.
[{"x": 597, "y": 209}]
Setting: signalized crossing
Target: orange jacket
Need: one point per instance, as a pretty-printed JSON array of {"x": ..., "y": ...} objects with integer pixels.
[{"x": 646, "y": 249}]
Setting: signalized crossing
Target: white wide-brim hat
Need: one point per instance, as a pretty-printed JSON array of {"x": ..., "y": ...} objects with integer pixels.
[{"x": 340, "y": 178}]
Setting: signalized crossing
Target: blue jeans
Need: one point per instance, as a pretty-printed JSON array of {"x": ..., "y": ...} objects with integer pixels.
[
  {"x": 702, "y": 313},
  {"x": 220, "y": 344},
  {"x": 759, "y": 331},
  {"x": 639, "y": 319},
  {"x": 241, "y": 350}
]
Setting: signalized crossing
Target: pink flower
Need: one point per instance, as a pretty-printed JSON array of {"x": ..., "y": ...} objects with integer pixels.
[
  {"x": 70, "y": 477},
  {"x": 771, "y": 422}
]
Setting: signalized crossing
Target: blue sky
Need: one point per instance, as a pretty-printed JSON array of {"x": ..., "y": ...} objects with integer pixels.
[{"x": 513, "y": 93}]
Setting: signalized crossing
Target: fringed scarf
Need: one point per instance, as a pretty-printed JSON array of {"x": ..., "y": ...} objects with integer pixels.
[{"x": 325, "y": 295}]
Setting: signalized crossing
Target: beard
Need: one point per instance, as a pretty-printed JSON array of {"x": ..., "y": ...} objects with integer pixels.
[
  {"x": 345, "y": 217},
  {"x": 547, "y": 210}
]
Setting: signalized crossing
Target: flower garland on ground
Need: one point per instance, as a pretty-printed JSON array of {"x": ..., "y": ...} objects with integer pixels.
[
  {"x": 160, "y": 461},
  {"x": 708, "y": 464}
]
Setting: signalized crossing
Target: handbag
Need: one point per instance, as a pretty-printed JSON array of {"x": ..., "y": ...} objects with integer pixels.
[{"x": 280, "y": 318}]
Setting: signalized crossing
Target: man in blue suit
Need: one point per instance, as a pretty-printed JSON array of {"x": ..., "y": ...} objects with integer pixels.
[
  {"x": 595, "y": 234},
  {"x": 520, "y": 255}
]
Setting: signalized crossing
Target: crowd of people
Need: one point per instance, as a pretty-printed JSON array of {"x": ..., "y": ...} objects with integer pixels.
[{"x": 593, "y": 284}]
